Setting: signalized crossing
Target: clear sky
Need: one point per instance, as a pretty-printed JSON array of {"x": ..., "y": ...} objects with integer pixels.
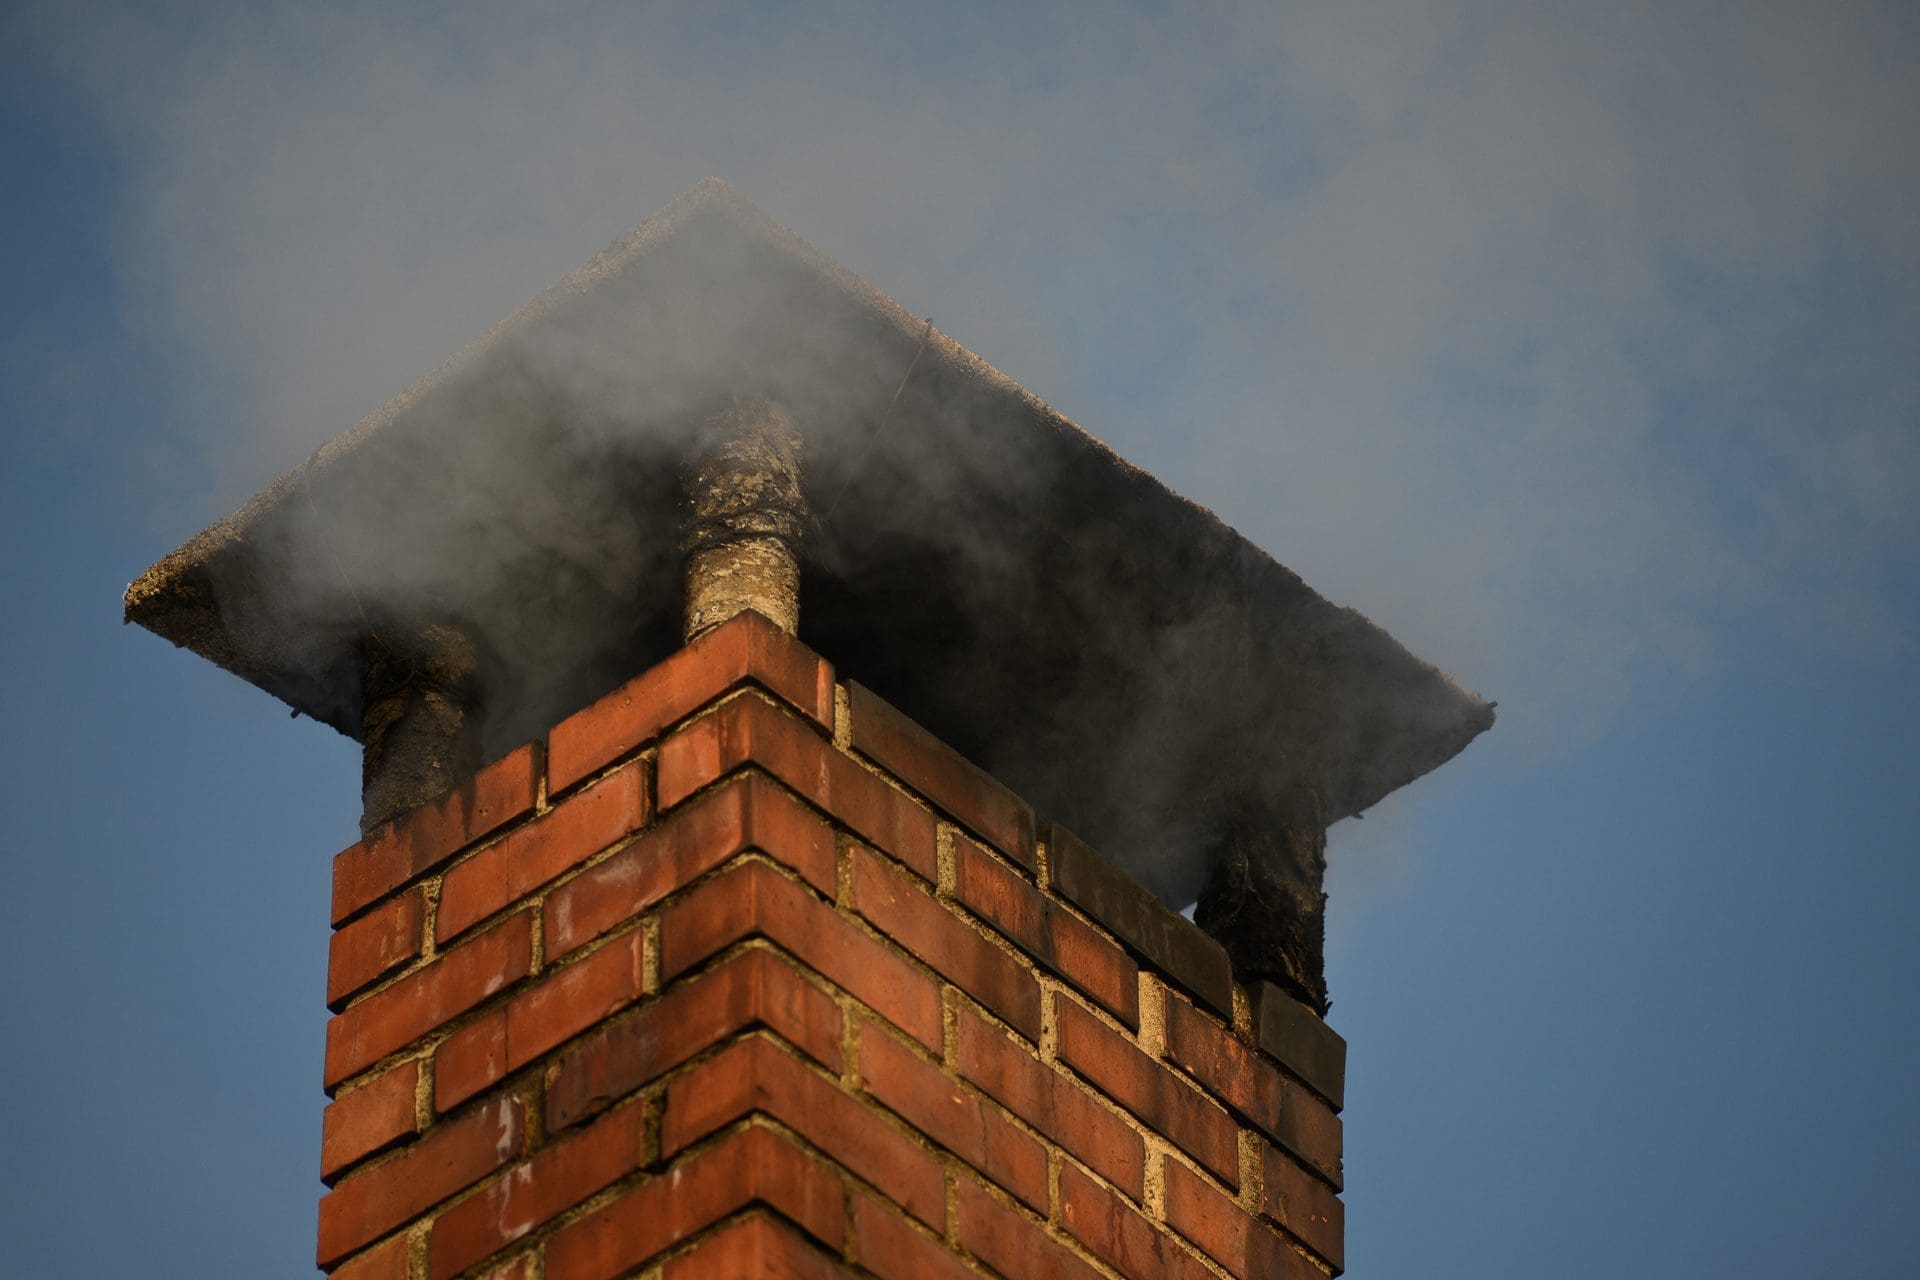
[{"x": 1578, "y": 345}]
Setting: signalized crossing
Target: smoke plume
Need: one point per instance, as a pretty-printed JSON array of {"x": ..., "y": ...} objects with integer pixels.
[{"x": 1563, "y": 341}]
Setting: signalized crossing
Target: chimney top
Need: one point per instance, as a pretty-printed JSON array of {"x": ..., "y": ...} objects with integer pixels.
[{"x": 1107, "y": 648}]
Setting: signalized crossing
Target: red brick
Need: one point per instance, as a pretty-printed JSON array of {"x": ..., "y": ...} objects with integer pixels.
[
  {"x": 752, "y": 1165},
  {"x": 1114, "y": 1230},
  {"x": 372, "y": 1117},
  {"x": 754, "y": 899},
  {"x": 756, "y": 1247},
  {"x": 1297, "y": 1118},
  {"x": 1171, "y": 943},
  {"x": 750, "y": 812},
  {"x": 469, "y": 1060},
  {"x": 388, "y": 1262},
  {"x": 374, "y": 945},
  {"x": 941, "y": 774},
  {"x": 954, "y": 1116},
  {"x": 556, "y": 841},
  {"x": 1229, "y": 1234},
  {"x": 1090, "y": 961},
  {"x": 1304, "y": 1205},
  {"x": 752, "y": 731},
  {"x": 563, "y": 1004},
  {"x": 1052, "y": 1103},
  {"x": 890, "y": 1246},
  {"x": 1146, "y": 1089},
  {"x": 417, "y": 841},
  {"x": 1011, "y": 1243},
  {"x": 906, "y": 911},
  {"x": 750, "y": 989},
  {"x": 1048, "y": 932},
  {"x": 757, "y": 1075},
  {"x": 455, "y": 982},
  {"x": 451, "y": 1158},
  {"x": 745, "y": 648},
  {"x": 1300, "y": 1040},
  {"x": 537, "y": 1190}
]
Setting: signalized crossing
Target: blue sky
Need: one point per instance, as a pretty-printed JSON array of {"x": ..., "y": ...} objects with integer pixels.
[{"x": 1576, "y": 347}]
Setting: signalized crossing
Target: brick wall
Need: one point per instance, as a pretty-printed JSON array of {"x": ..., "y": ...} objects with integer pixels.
[{"x": 741, "y": 973}]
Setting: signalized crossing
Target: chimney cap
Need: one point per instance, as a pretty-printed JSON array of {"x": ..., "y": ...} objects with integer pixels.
[{"x": 1108, "y": 648}]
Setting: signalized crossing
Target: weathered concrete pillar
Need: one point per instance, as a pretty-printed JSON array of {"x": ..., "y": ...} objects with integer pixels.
[
  {"x": 419, "y": 693},
  {"x": 1263, "y": 899},
  {"x": 746, "y": 513}
]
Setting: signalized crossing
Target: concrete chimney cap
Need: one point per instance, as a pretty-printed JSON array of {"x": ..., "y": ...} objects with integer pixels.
[{"x": 1107, "y": 648}]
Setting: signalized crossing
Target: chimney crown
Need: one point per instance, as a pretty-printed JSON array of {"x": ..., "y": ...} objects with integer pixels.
[{"x": 1101, "y": 645}]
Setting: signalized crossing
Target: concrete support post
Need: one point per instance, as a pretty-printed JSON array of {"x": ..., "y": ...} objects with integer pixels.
[
  {"x": 1263, "y": 899},
  {"x": 421, "y": 734},
  {"x": 745, "y": 516}
]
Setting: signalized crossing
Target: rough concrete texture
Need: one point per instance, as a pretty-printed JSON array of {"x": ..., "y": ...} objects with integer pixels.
[
  {"x": 1096, "y": 642},
  {"x": 745, "y": 516},
  {"x": 1263, "y": 900},
  {"x": 419, "y": 732}
]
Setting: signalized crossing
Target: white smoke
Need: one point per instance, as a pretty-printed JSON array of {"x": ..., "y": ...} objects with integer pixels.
[{"x": 1560, "y": 339}]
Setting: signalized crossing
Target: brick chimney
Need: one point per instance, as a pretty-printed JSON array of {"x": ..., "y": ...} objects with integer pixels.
[{"x": 754, "y": 953}]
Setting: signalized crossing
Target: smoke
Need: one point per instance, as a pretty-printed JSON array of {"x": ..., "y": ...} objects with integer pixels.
[{"x": 1564, "y": 341}]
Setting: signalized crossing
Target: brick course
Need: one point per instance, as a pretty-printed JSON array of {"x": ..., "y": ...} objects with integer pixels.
[
  {"x": 1120, "y": 1235},
  {"x": 755, "y": 1245},
  {"x": 379, "y": 942},
  {"x": 1295, "y": 1037},
  {"x": 1227, "y": 1233},
  {"x": 1308, "y": 1207},
  {"x": 755, "y": 1075},
  {"x": 376, "y": 1115},
  {"x": 941, "y": 774},
  {"x": 1301, "y": 1122},
  {"x": 390, "y": 1261},
  {"x": 1168, "y": 941},
  {"x": 739, "y": 1000},
  {"x": 1055, "y": 1104},
  {"x": 889, "y": 1245},
  {"x": 1010, "y": 1242},
  {"x": 451, "y": 1158},
  {"x": 1143, "y": 1088},
  {"x": 754, "y": 1165},
  {"x": 416, "y": 842},
  {"x": 422, "y": 1001},
  {"x": 1047, "y": 931},
  {"x": 537, "y": 1190},
  {"x": 750, "y": 649},
  {"x": 509, "y": 1037},
  {"x": 964, "y": 1122},
  {"x": 749, "y": 730},
  {"x": 524, "y": 859},
  {"x": 749, "y": 812},
  {"x": 898, "y": 907},
  {"x": 752, "y": 900},
  {"x": 752, "y": 989}
]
